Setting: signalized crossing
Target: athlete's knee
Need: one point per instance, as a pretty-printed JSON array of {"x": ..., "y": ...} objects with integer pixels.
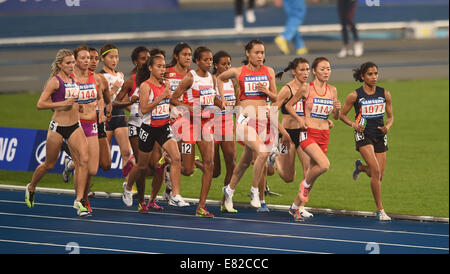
[
  {"x": 263, "y": 155},
  {"x": 187, "y": 171},
  {"x": 324, "y": 166}
]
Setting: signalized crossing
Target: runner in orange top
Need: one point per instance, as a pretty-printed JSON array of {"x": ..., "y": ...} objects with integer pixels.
[{"x": 256, "y": 83}]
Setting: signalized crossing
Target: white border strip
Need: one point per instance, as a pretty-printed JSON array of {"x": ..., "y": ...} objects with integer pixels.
[
  {"x": 214, "y": 202},
  {"x": 202, "y": 33}
]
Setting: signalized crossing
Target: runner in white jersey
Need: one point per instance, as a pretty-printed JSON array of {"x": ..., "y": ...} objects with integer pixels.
[
  {"x": 199, "y": 97},
  {"x": 117, "y": 126}
]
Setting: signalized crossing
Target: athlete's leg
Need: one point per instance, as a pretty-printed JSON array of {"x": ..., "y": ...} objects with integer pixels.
[
  {"x": 217, "y": 167},
  {"x": 79, "y": 145},
  {"x": 175, "y": 167},
  {"x": 206, "y": 150},
  {"x": 368, "y": 154},
  {"x": 285, "y": 164},
  {"x": 52, "y": 149},
  {"x": 121, "y": 135}
]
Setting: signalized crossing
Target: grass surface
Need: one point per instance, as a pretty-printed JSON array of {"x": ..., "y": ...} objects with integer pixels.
[{"x": 416, "y": 179}]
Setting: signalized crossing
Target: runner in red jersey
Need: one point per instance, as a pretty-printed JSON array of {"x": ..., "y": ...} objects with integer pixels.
[
  {"x": 155, "y": 128},
  {"x": 320, "y": 100},
  {"x": 199, "y": 98},
  {"x": 256, "y": 83},
  {"x": 176, "y": 71}
]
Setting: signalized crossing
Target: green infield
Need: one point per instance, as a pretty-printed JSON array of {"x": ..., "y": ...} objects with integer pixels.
[{"x": 416, "y": 179}]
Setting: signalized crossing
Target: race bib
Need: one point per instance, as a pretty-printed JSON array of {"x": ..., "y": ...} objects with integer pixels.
[
  {"x": 303, "y": 136},
  {"x": 322, "y": 107},
  {"x": 72, "y": 90},
  {"x": 373, "y": 108},
  {"x": 283, "y": 149},
  {"x": 359, "y": 136},
  {"x": 298, "y": 107},
  {"x": 242, "y": 119},
  {"x": 161, "y": 111},
  {"x": 53, "y": 126},
  {"x": 87, "y": 94},
  {"x": 251, "y": 85},
  {"x": 207, "y": 95},
  {"x": 174, "y": 83},
  {"x": 186, "y": 148}
]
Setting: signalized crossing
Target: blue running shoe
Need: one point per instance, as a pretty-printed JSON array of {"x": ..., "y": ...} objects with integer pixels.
[
  {"x": 356, "y": 172},
  {"x": 263, "y": 208}
]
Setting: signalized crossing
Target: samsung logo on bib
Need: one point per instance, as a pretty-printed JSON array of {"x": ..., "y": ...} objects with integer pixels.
[{"x": 8, "y": 148}]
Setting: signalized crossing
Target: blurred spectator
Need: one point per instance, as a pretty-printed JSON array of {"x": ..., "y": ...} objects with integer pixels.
[
  {"x": 295, "y": 11},
  {"x": 239, "y": 10},
  {"x": 346, "y": 11}
]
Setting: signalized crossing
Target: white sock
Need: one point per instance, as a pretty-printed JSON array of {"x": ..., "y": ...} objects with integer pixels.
[
  {"x": 254, "y": 190},
  {"x": 263, "y": 201},
  {"x": 294, "y": 206},
  {"x": 229, "y": 190},
  {"x": 306, "y": 184}
]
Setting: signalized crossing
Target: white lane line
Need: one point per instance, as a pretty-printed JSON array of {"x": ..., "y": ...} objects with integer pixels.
[
  {"x": 222, "y": 231},
  {"x": 160, "y": 240},
  {"x": 81, "y": 247},
  {"x": 251, "y": 220}
]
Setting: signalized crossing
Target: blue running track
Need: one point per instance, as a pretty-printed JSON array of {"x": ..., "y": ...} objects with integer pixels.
[{"x": 114, "y": 228}]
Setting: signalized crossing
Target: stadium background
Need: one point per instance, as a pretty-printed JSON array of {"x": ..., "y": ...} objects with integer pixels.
[{"x": 407, "y": 39}]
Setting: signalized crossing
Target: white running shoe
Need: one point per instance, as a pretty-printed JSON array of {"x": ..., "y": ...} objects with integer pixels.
[
  {"x": 343, "y": 53},
  {"x": 82, "y": 211},
  {"x": 304, "y": 213},
  {"x": 177, "y": 200},
  {"x": 127, "y": 196},
  {"x": 359, "y": 49},
  {"x": 255, "y": 202},
  {"x": 382, "y": 216},
  {"x": 228, "y": 203},
  {"x": 250, "y": 16}
]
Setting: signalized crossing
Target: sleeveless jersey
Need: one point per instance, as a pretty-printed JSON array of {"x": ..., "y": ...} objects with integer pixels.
[
  {"x": 135, "y": 118},
  {"x": 159, "y": 116},
  {"x": 318, "y": 105},
  {"x": 111, "y": 79},
  {"x": 372, "y": 109},
  {"x": 202, "y": 91},
  {"x": 230, "y": 96},
  {"x": 65, "y": 90},
  {"x": 174, "y": 78},
  {"x": 248, "y": 81},
  {"x": 298, "y": 107},
  {"x": 88, "y": 90}
]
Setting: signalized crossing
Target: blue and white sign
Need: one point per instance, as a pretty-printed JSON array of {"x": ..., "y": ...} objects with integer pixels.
[{"x": 24, "y": 149}]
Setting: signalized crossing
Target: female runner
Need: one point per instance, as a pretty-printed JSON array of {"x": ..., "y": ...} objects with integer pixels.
[
  {"x": 320, "y": 99},
  {"x": 285, "y": 162},
  {"x": 256, "y": 82},
  {"x": 199, "y": 97},
  {"x": 60, "y": 95},
  {"x": 371, "y": 102}
]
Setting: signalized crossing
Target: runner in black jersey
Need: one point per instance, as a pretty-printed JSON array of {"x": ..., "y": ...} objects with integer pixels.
[{"x": 371, "y": 103}]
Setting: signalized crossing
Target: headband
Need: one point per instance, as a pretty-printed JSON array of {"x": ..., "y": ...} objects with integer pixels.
[{"x": 103, "y": 54}]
